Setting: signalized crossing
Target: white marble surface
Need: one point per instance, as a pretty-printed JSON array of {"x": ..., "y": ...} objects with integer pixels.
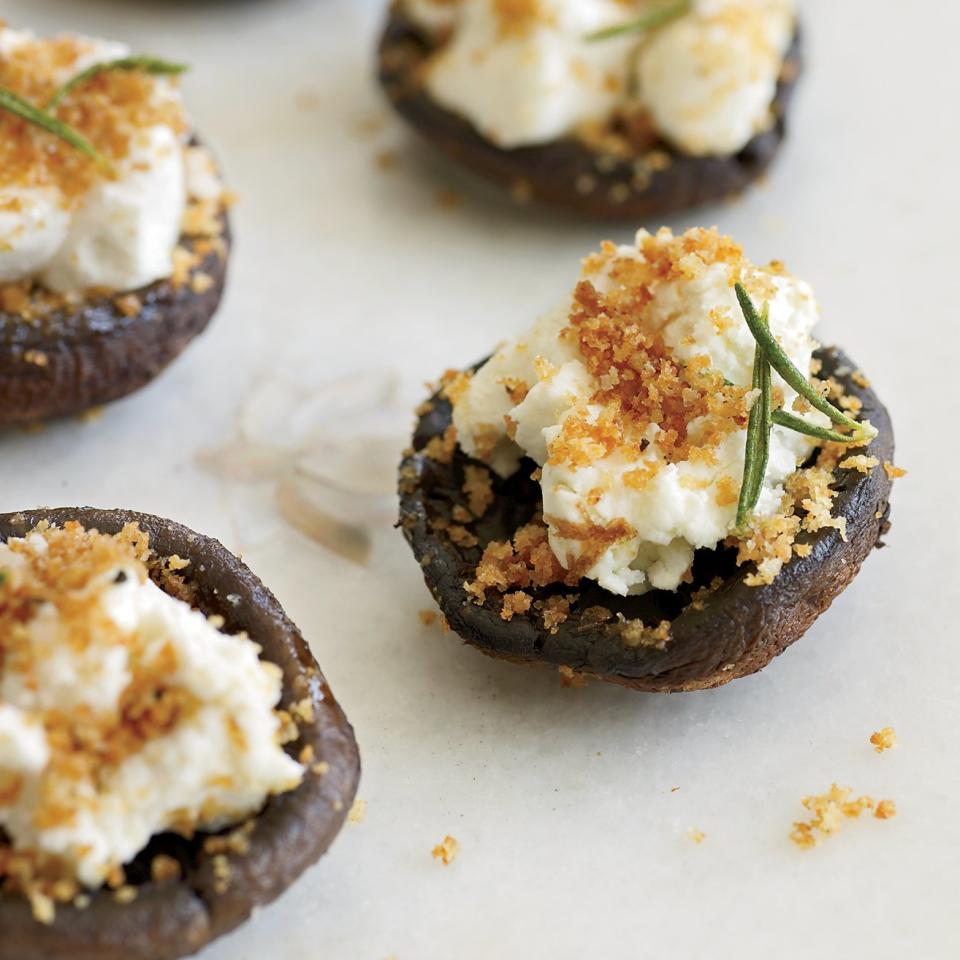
[{"x": 573, "y": 843}]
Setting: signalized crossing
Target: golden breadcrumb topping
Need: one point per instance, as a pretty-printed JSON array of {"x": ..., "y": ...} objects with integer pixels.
[
  {"x": 883, "y": 739},
  {"x": 893, "y": 472},
  {"x": 555, "y": 610},
  {"x": 446, "y": 850},
  {"x": 109, "y": 110},
  {"x": 478, "y": 486},
  {"x": 859, "y": 462},
  {"x": 514, "y": 603},
  {"x": 828, "y": 811},
  {"x": 697, "y": 836},
  {"x": 526, "y": 561},
  {"x": 641, "y": 382}
]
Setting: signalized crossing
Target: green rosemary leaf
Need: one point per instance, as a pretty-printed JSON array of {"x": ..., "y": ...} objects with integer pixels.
[
  {"x": 655, "y": 18},
  {"x": 146, "y": 64},
  {"x": 757, "y": 454},
  {"x": 783, "y": 419},
  {"x": 10, "y": 102},
  {"x": 780, "y": 362}
]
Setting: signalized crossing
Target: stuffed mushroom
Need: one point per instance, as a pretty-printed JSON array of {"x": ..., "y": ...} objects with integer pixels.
[
  {"x": 113, "y": 228},
  {"x": 662, "y": 483},
  {"x": 171, "y": 757},
  {"x": 612, "y": 109}
]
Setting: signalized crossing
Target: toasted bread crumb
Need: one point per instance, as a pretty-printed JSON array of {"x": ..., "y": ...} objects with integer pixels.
[
  {"x": 571, "y": 678},
  {"x": 427, "y": 617},
  {"x": 697, "y": 836},
  {"x": 886, "y": 809},
  {"x": 883, "y": 739},
  {"x": 358, "y": 811},
  {"x": 893, "y": 472},
  {"x": 164, "y": 869},
  {"x": 447, "y": 850},
  {"x": 829, "y": 810}
]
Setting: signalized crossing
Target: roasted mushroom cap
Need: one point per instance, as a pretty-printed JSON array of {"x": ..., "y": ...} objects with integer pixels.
[
  {"x": 84, "y": 355},
  {"x": 176, "y": 919},
  {"x": 568, "y": 173},
  {"x": 732, "y": 632}
]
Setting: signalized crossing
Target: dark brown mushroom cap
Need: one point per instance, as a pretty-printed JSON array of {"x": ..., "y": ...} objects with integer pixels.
[
  {"x": 84, "y": 356},
  {"x": 176, "y": 919},
  {"x": 734, "y": 632},
  {"x": 567, "y": 173}
]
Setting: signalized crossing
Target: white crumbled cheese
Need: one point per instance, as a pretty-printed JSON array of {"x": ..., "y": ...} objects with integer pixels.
[
  {"x": 122, "y": 234},
  {"x": 707, "y": 79},
  {"x": 215, "y": 766},
  {"x": 678, "y": 511},
  {"x": 33, "y": 227},
  {"x": 535, "y": 84}
]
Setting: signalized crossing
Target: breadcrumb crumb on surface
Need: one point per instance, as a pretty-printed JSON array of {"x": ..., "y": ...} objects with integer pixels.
[
  {"x": 892, "y": 471},
  {"x": 571, "y": 678},
  {"x": 447, "y": 850},
  {"x": 884, "y": 739},
  {"x": 886, "y": 809},
  {"x": 830, "y": 809},
  {"x": 358, "y": 811},
  {"x": 697, "y": 836},
  {"x": 427, "y": 617}
]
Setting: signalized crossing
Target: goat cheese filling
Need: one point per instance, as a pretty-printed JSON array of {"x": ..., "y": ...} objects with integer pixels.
[
  {"x": 67, "y": 223},
  {"x": 633, "y": 397},
  {"x": 523, "y": 71},
  {"x": 123, "y": 711}
]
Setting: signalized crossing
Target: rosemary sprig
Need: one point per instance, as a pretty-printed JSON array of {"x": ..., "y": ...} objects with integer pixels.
[
  {"x": 757, "y": 455},
  {"x": 655, "y": 18},
  {"x": 10, "y": 102},
  {"x": 147, "y": 64},
  {"x": 780, "y": 362},
  {"x": 783, "y": 419}
]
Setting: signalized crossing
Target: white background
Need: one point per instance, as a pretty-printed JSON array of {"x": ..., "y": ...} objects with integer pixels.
[{"x": 573, "y": 844}]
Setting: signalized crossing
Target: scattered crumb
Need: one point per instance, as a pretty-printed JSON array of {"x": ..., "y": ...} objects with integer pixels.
[
  {"x": 893, "y": 472},
  {"x": 125, "y": 894},
  {"x": 571, "y": 678},
  {"x": 320, "y": 769},
  {"x": 447, "y": 850},
  {"x": 674, "y": 789},
  {"x": 635, "y": 633},
  {"x": 386, "y": 159},
  {"x": 303, "y": 711},
  {"x": 829, "y": 810},
  {"x": 91, "y": 415},
  {"x": 164, "y": 869},
  {"x": 358, "y": 811},
  {"x": 860, "y": 379},
  {"x": 860, "y": 462},
  {"x": 514, "y": 603},
  {"x": 478, "y": 486},
  {"x": 128, "y": 304},
  {"x": 697, "y": 836},
  {"x": 884, "y": 739},
  {"x": 427, "y": 617},
  {"x": 886, "y": 809}
]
